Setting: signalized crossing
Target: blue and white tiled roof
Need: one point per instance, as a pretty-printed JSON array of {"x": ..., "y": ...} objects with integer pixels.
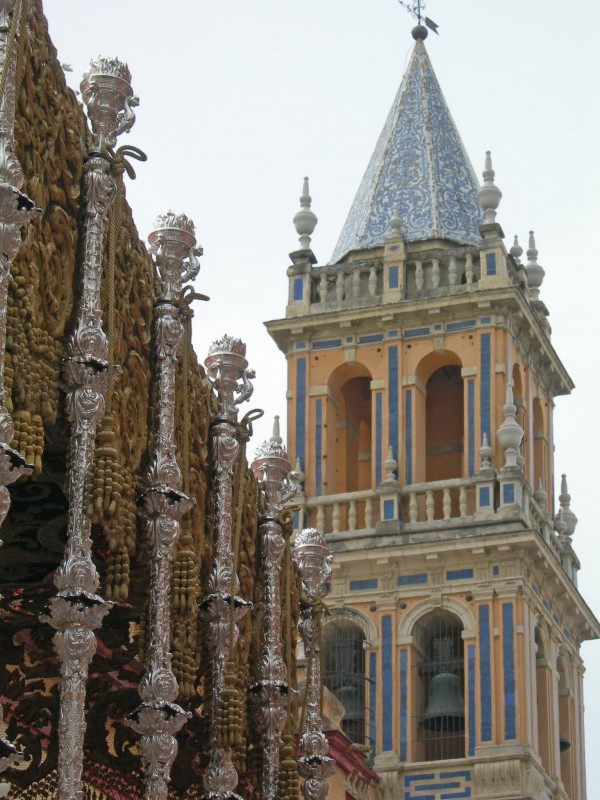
[{"x": 419, "y": 170}]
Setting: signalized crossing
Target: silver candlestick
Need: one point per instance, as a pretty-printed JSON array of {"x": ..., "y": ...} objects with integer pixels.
[
  {"x": 313, "y": 562},
  {"x": 76, "y": 611},
  {"x": 162, "y": 504},
  {"x": 222, "y": 608},
  {"x": 270, "y": 695}
]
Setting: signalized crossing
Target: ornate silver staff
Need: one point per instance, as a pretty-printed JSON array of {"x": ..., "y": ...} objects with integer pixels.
[
  {"x": 222, "y": 608},
  {"x": 162, "y": 504},
  {"x": 270, "y": 695},
  {"x": 15, "y": 210},
  {"x": 313, "y": 561},
  {"x": 77, "y": 610}
]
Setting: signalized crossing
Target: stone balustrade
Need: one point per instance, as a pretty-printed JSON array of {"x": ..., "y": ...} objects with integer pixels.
[
  {"x": 443, "y": 274},
  {"x": 347, "y": 285},
  {"x": 435, "y": 505}
]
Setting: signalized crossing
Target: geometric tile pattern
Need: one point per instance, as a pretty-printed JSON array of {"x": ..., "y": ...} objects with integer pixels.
[
  {"x": 419, "y": 169},
  {"x": 438, "y": 785}
]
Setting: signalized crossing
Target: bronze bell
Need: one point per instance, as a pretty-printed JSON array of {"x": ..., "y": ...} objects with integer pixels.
[{"x": 445, "y": 708}]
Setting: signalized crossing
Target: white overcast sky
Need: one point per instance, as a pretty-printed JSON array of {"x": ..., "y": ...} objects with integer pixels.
[{"x": 239, "y": 100}]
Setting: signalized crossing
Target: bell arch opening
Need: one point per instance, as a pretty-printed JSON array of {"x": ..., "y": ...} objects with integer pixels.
[
  {"x": 444, "y": 424},
  {"x": 438, "y": 726},
  {"x": 350, "y": 390},
  {"x": 344, "y": 673}
]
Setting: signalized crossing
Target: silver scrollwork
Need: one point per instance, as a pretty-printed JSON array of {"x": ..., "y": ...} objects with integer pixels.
[
  {"x": 15, "y": 210},
  {"x": 162, "y": 504},
  {"x": 222, "y": 608},
  {"x": 76, "y": 611},
  {"x": 270, "y": 695},
  {"x": 312, "y": 560}
]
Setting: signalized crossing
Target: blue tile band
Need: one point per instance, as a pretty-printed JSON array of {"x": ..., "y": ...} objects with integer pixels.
[
  {"x": 508, "y": 659},
  {"x": 408, "y": 435},
  {"x": 490, "y": 264},
  {"x": 300, "y": 409},
  {"x": 373, "y": 702},
  {"x": 297, "y": 288},
  {"x": 393, "y": 278},
  {"x": 410, "y": 580},
  {"x": 471, "y": 698},
  {"x": 393, "y": 397},
  {"x": 485, "y": 383},
  {"x": 471, "y": 426},
  {"x": 325, "y": 343},
  {"x": 318, "y": 447},
  {"x": 386, "y": 682},
  {"x": 378, "y": 436},
  {"x": 458, "y": 574},
  {"x": 361, "y": 585},
  {"x": 403, "y": 703},
  {"x": 485, "y": 674}
]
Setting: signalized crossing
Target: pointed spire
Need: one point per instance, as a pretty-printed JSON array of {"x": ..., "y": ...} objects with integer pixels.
[
  {"x": 419, "y": 170},
  {"x": 485, "y": 452},
  {"x": 510, "y": 433},
  {"x": 489, "y": 194},
  {"x": 276, "y": 437},
  {"x": 390, "y": 465},
  {"x": 516, "y": 250},
  {"x": 565, "y": 506},
  {"x": 535, "y": 273},
  {"x": 305, "y": 220}
]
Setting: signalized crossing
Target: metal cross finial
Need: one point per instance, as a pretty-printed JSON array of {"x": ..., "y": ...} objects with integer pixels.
[{"x": 416, "y": 9}]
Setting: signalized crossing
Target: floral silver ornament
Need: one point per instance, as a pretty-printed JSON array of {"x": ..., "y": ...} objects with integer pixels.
[
  {"x": 162, "y": 504},
  {"x": 76, "y": 611},
  {"x": 270, "y": 695},
  {"x": 312, "y": 560},
  {"x": 15, "y": 210},
  {"x": 222, "y": 608}
]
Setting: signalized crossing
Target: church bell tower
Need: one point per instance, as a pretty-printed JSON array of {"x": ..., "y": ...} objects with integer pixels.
[{"x": 421, "y": 387}]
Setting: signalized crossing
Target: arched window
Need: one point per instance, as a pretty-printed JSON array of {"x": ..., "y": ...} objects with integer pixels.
[
  {"x": 439, "y": 688},
  {"x": 565, "y": 727},
  {"x": 539, "y": 446},
  {"x": 344, "y": 673},
  {"x": 356, "y": 434},
  {"x": 444, "y": 426}
]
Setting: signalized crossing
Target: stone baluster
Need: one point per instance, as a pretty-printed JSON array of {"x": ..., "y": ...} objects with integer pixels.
[
  {"x": 469, "y": 273},
  {"x": 162, "y": 504},
  {"x": 419, "y": 275},
  {"x": 462, "y": 501},
  {"x": 313, "y": 564},
  {"x": 355, "y": 283},
  {"x": 453, "y": 271},
  {"x": 435, "y": 273},
  {"x": 335, "y": 518},
  {"x": 76, "y": 611},
  {"x": 321, "y": 517},
  {"x": 339, "y": 287},
  {"x": 372, "y": 281},
  {"x": 223, "y": 608},
  {"x": 270, "y": 694},
  {"x": 368, "y": 513},
  {"x": 429, "y": 505},
  {"x": 15, "y": 210},
  {"x": 447, "y": 503},
  {"x": 323, "y": 287},
  {"x": 413, "y": 508},
  {"x": 352, "y": 516}
]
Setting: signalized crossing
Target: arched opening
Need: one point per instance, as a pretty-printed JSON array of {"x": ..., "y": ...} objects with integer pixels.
[
  {"x": 444, "y": 424},
  {"x": 543, "y": 700},
  {"x": 354, "y": 435},
  {"x": 344, "y": 673},
  {"x": 521, "y": 415},
  {"x": 565, "y": 728},
  {"x": 439, "y": 680}
]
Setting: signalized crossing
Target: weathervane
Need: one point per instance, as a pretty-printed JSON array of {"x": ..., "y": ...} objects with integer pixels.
[{"x": 416, "y": 9}]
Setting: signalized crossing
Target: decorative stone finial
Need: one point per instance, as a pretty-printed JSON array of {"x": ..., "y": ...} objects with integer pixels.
[
  {"x": 535, "y": 273},
  {"x": 390, "y": 465},
  {"x": 565, "y": 506},
  {"x": 485, "y": 452},
  {"x": 516, "y": 250},
  {"x": 540, "y": 495},
  {"x": 305, "y": 220},
  {"x": 419, "y": 33},
  {"x": 396, "y": 229},
  {"x": 560, "y": 526},
  {"x": 107, "y": 93},
  {"x": 510, "y": 433},
  {"x": 489, "y": 194}
]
